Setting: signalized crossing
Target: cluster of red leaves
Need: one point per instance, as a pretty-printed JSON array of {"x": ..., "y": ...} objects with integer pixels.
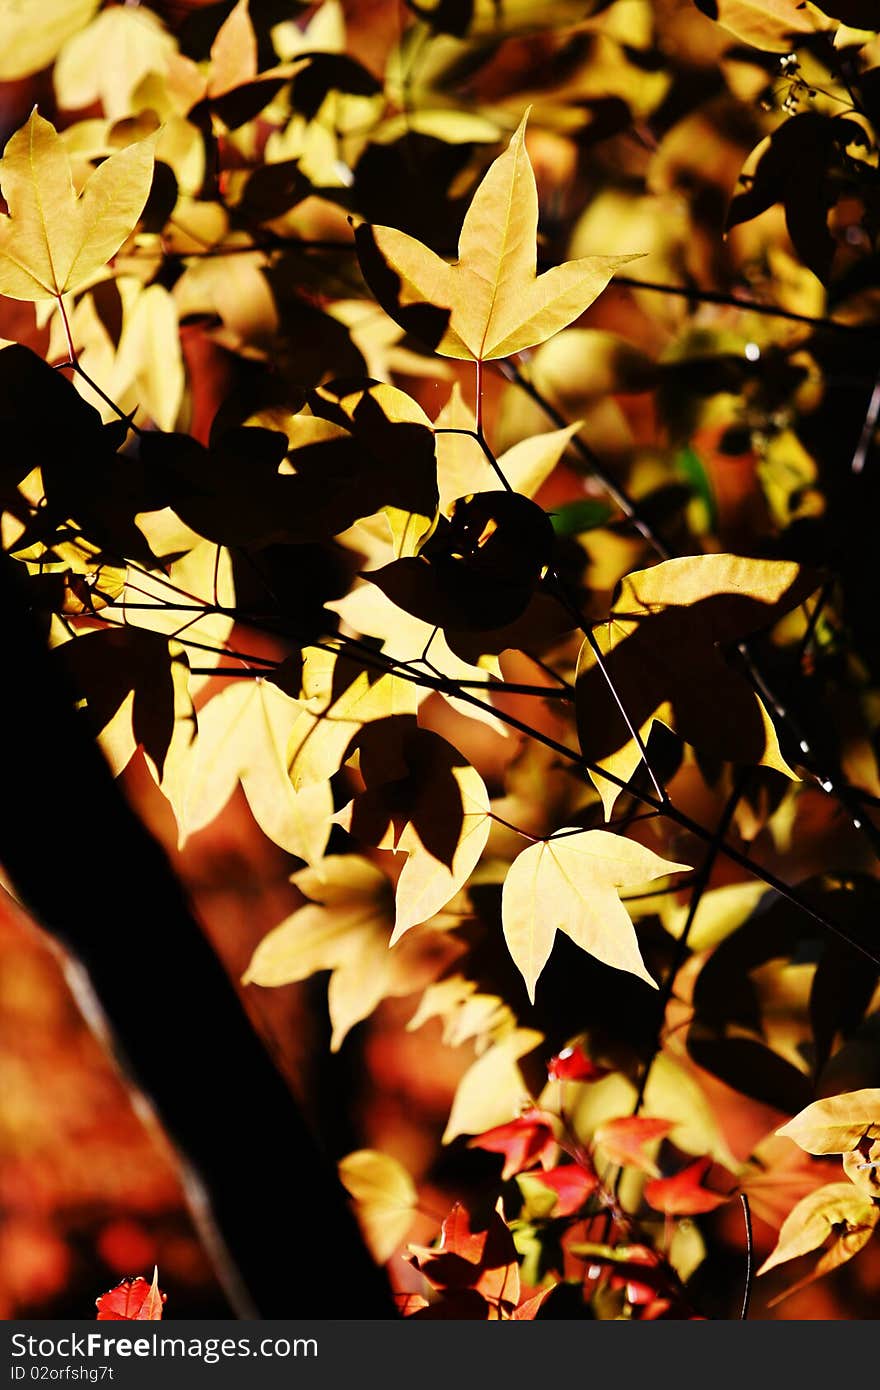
[{"x": 474, "y": 1273}]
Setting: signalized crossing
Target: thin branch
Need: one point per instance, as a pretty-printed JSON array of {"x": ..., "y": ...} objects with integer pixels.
[
  {"x": 270, "y": 241},
  {"x": 634, "y": 730},
  {"x": 483, "y": 443},
  {"x": 595, "y": 465},
  {"x": 750, "y": 1257},
  {"x": 832, "y": 784},
  {"x": 700, "y": 884},
  {"x": 678, "y": 817},
  {"x": 872, "y": 415},
  {"x": 751, "y": 306}
]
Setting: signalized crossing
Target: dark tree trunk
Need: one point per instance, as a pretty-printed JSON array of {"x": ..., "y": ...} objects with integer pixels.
[{"x": 88, "y": 870}]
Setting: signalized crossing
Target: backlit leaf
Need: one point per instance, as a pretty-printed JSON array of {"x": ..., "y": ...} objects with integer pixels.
[
  {"x": 684, "y": 1194},
  {"x": 836, "y": 1124},
  {"x": 838, "y": 1209},
  {"x": 243, "y": 736},
  {"x": 569, "y": 883},
  {"x": 106, "y": 61},
  {"x": 134, "y": 1300},
  {"x": 525, "y": 1141},
  {"x": 423, "y": 799},
  {"x": 492, "y": 1091},
  {"x": 345, "y": 928},
  {"x": 462, "y": 467},
  {"x": 624, "y": 1140},
  {"x": 572, "y": 1184},
  {"x": 338, "y": 698},
  {"x": 482, "y": 1263},
  {"x": 233, "y": 52},
  {"x": 32, "y": 32},
  {"x": 772, "y": 25},
  {"x": 490, "y": 303},
  {"x": 53, "y": 240},
  {"x": 385, "y": 1199}
]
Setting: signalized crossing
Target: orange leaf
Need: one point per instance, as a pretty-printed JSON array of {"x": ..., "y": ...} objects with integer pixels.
[
  {"x": 683, "y": 1194},
  {"x": 624, "y": 1140}
]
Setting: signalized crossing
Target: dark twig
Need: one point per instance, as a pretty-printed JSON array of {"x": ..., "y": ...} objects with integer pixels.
[
  {"x": 700, "y": 884},
  {"x": 832, "y": 783},
  {"x": 749, "y": 306},
  {"x": 750, "y": 1257}
]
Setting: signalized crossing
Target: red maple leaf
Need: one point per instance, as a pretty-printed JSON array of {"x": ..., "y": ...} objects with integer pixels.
[
  {"x": 639, "y": 1292},
  {"x": 572, "y": 1184},
  {"x": 134, "y": 1300},
  {"x": 573, "y": 1064},
  {"x": 468, "y": 1266},
  {"x": 683, "y": 1194},
  {"x": 527, "y": 1140},
  {"x": 624, "y": 1140}
]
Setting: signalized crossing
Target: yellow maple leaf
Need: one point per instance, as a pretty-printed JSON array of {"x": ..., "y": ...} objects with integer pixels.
[
  {"x": 345, "y": 928},
  {"x": 385, "y": 1199},
  {"x": 836, "y": 1124},
  {"x": 491, "y": 302},
  {"x": 243, "y": 734},
  {"x": 492, "y": 1090},
  {"x": 32, "y": 32},
  {"x": 422, "y": 798},
  {"x": 569, "y": 883},
  {"x": 53, "y": 240},
  {"x": 838, "y": 1209},
  {"x": 772, "y": 25}
]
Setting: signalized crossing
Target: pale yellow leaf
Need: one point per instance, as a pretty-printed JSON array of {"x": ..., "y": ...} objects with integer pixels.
[
  {"x": 32, "y": 32},
  {"x": 462, "y": 467},
  {"x": 497, "y": 303},
  {"x": 719, "y": 913},
  {"x": 661, "y": 652},
  {"x": 385, "y": 1199},
  {"x": 169, "y": 601},
  {"x": 346, "y": 928},
  {"x": 492, "y": 1090},
  {"x": 107, "y": 61},
  {"x": 426, "y": 884},
  {"x": 569, "y": 883},
  {"x": 771, "y": 25},
  {"x": 466, "y": 1014},
  {"x": 365, "y": 609},
  {"x": 52, "y": 241},
  {"x": 233, "y": 52},
  {"x": 243, "y": 733},
  {"x": 338, "y": 698},
  {"x": 839, "y": 1204},
  {"x": 150, "y": 357},
  {"x": 836, "y": 1124}
]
